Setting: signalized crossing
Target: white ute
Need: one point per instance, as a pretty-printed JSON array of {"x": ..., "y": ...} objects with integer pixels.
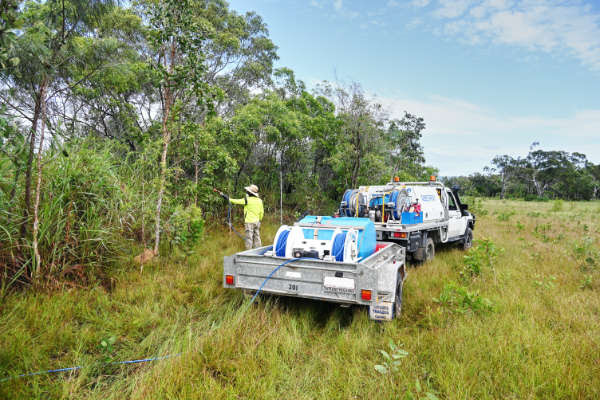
[{"x": 442, "y": 217}]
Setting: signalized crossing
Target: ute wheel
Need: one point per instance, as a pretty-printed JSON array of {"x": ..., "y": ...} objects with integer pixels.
[
  {"x": 429, "y": 250},
  {"x": 398, "y": 296},
  {"x": 467, "y": 242}
]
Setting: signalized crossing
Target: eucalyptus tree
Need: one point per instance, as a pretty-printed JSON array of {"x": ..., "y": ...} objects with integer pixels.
[
  {"x": 506, "y": 166},
  {"x": 405, "y": 150},
  {"x": 176, "y": 31},
  {"x": 361, "y": 145},
  {"x": 116, "y": 102},
  {"x": 238, "y": 57},
  {"x": 46, "y": 46}
]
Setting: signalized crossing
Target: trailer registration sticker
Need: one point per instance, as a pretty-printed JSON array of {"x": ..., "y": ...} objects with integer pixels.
[{"x": 332, "y": 284}]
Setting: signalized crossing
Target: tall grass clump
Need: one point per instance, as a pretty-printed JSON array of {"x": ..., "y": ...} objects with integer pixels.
[
  {"x": 97, "y": 204},
  {"x": 79, "y": 212},
  {"x": 557, "y": 205},
  {"x": 482, "y": 256}
]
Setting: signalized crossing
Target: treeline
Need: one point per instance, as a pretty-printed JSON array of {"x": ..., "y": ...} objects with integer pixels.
[
  {"x": 116, "y": 122},
  {"x": 540, "y": 175}
]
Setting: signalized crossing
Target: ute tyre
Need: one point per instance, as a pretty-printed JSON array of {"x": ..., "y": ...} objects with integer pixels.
[
  {"x": 468, "y": 240},
  {"x": 398, "y": 296},
  {"x": 429, "y": 250}
]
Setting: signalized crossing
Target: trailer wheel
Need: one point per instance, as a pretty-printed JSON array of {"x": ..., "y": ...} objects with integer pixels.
[
  {"x": 398, "y": 295},
  {"x": 429, "y": 250},
  {"x": 468, "y": 240}
]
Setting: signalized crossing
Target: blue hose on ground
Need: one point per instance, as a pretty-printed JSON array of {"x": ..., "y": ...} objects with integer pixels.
[
  {"x": 51, "y": 371},
  {"x": 142, "y": 360}
]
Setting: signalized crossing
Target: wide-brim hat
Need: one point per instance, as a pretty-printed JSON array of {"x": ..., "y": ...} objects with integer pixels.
[{"x": 252, "y": 189}]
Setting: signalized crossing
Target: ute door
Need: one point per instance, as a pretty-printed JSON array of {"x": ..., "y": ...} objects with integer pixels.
[{"x": 456, "y": 223}]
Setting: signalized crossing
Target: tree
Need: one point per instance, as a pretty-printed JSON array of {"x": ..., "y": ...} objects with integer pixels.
[
  {"x": 406, "y": 153},
  {"x": 50, "y": 32},
  {"x": 176, "y": 32},
  {"x": 238, "y": 56},
  {"x": 45, "y": 50},
  {"x": 505, "y": 165},
  {"x": 360, "y": 155}
]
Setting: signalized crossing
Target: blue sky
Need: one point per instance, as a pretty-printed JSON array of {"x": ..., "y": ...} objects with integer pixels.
[{"x": 489, "y": 76}]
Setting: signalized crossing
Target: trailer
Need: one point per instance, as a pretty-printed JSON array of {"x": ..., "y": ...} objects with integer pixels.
[
  {"x": 314, "y": 272},
  {"x": 441, "y": 218}
]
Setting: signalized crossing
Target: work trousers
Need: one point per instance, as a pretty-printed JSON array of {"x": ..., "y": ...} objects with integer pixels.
[{"x": 252, "y": 239}]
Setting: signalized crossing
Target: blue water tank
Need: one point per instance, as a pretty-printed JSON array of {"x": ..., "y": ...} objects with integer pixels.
[{"x": 367, "y": 238}]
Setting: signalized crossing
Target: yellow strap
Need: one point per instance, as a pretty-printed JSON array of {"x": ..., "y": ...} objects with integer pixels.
[
  {"x": 383, "y": 207},
  {"x": 358, "y": 198}
]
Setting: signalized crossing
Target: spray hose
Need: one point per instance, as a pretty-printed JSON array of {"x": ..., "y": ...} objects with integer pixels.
[
  {"x": 150, "y": 359},
  {"x": 228, "y": 222}
]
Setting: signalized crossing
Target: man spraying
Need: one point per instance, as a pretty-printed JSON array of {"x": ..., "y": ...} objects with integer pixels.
[{"x": 253, "y": 214}]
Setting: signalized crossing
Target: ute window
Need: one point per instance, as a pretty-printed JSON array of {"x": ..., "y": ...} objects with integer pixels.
[{"x": 451, "y": 202}]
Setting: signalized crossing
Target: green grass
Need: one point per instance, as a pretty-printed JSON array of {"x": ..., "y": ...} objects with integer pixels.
[{"x": 540, "y": 338}]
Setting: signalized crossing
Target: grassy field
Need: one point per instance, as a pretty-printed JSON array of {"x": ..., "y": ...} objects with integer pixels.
[{"x": 518, "y": 318}]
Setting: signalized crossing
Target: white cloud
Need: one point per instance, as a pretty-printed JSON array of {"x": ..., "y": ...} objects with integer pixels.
[
  {"x": 452, "y": 8},
  {"x": 413, "y": 23},
  {"x": 420, "y": 3},
  {"x": 337, "y": 4},
  {"x": 570, "y": 26},
  {"x": 462, "y": 137}
]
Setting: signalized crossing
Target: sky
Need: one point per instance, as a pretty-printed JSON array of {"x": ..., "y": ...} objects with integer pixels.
[{"x": 489, "y": 77}]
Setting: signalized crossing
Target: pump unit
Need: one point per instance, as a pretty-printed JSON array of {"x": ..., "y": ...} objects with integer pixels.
[{"x": 345, "y": 239}]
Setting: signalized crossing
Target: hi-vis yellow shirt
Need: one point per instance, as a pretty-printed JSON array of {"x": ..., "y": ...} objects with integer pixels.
[{"x": 253, "y": 208}]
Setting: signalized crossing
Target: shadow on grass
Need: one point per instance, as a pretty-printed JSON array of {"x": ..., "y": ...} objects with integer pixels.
[{"x": 320, "y": 313}]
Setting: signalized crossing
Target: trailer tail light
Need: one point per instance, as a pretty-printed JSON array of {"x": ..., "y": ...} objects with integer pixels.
[
  {"x": 365, "y": 294},
  {"x": 229, "y": 279},
  {"x": 401, "y": 235}
]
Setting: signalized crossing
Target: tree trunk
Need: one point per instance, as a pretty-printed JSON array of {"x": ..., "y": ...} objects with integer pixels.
[
  {"x": 503, "y": 190},
  {"x": 356, "y": 167},
  {"x": 196, "y": 173},
  {"x": 36, "y": 221},
  {"x": 241, "y": 169},
  {"x": 163, "y": 166},
  {"x": 539, "y": 189},
  {"x": 168, "y": 101},
  {"x": 29, "y": 170}
]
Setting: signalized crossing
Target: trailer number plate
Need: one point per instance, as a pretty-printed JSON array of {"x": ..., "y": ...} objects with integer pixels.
[
  {"x": 292, "y": 287},
  {"x": 333, "y": 284},
  {"x": 292, "y": 274}
]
